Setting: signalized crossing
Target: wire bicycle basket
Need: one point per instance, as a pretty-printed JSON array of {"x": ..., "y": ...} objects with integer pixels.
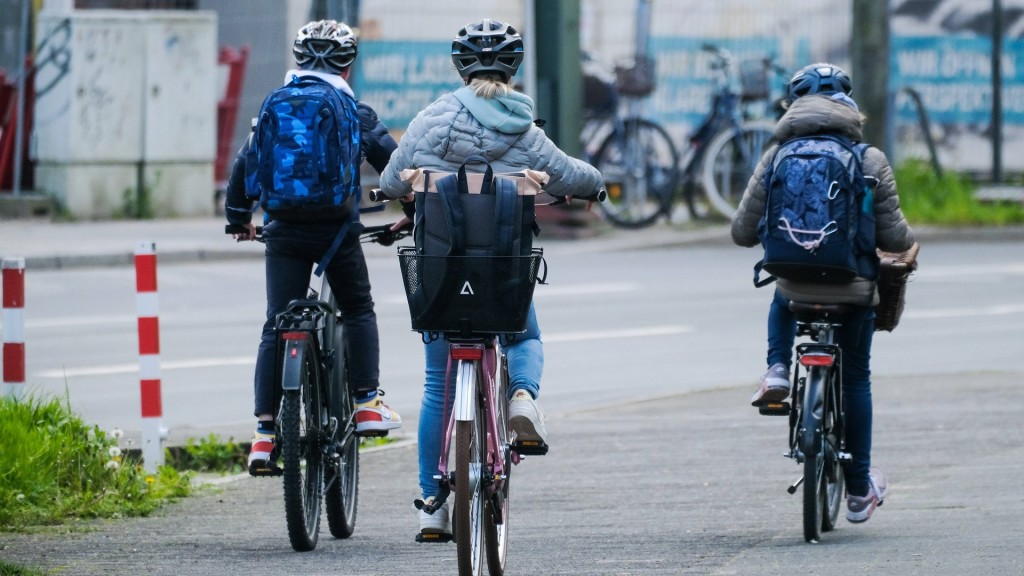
[{"x": 470, "y": 295}]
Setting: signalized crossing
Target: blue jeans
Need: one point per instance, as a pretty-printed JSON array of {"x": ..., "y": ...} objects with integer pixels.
[
  {"x": 854, "y": 339},
  {"x": 525, "y": 366},
  {"x": 292, "y": 250}
]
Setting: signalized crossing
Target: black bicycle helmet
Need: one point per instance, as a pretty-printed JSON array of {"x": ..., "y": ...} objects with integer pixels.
[
  {"x": 820, "y": 78},
  {"x": 325, "y": 45},
  {"x": 487, "y": 46}
]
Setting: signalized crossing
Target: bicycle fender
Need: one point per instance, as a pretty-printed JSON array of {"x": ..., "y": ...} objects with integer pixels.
[
  {"x": 464, "y": 408},
  {"x": 291, "y": 370},
  {"x": 814, "y": 406}
]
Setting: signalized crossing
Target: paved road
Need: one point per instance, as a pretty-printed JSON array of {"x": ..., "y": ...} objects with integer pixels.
[{"x": 688, "y": 484}]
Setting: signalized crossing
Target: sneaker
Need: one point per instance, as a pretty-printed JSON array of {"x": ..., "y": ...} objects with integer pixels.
[
  {"x": 860, "y": 508},
  {"x": 437, "y": 524},
  {"x": 263, "y": 455},
  {"x": 774, "y": 387},
  {"x": 375, "y": 418},
  {"x": 526, "y": 419}
]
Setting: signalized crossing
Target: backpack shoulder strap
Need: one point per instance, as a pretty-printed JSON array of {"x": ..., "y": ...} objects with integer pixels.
[
  {"x": 448, "y": 189},
  {"x": 506, "y": 211}
]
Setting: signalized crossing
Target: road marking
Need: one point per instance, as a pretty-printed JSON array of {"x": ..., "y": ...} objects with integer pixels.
[
  {"x": 130, "y": 368},
  {"x": 971, "y": 271},
  {"x": 994, "y": 310},
  {"x": 614, "y": 334}
]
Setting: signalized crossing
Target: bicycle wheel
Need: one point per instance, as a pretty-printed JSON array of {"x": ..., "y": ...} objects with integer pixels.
[
  {"x": 832, "y": 434},
  {"x": 730, "y": 160},
  {"x": 639, "y": 165},
  {"x": 341, "y": 473},
  {"x": 813, "y": 448},
  {"x": 496, "y": 514},
  {"x": 301, "y": 418},
  {"x": 468, "y": 515}
]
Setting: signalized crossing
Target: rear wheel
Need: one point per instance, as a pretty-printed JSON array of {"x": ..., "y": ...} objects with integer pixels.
[
  {"x": 730, "y": 160},
  {"x": 496, "y": 514},
  {"x": 468, "y": 515},
  {"x": 812, "y": 446},
  {"x": 639, "y": 166},
  {"x": 301, "y": 418}
]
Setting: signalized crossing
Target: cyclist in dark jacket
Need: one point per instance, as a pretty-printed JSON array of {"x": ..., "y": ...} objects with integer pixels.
[
  {"x": 487, "y": 117},
  {"x": 819, "y": 103},
  {"x": 325, "y": 49}
]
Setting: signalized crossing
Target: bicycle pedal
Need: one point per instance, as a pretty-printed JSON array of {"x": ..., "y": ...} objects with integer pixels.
[
  {"x": 431, "y": 538},
  {"x": 372, "y": 433},
  {"x": 774, "y": 409},
  {"x": 266, "y": 470},
  {"x": 530, "y": 447}
]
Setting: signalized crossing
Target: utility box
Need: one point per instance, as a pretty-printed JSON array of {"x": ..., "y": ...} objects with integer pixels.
[{"x": 126, "y": 112}]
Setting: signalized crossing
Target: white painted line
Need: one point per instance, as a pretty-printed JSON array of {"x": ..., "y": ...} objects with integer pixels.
[
  {"x": 133, "y": 368},
  {"x": 995, "y": 310},
  {"x": 643, "y": 332}
]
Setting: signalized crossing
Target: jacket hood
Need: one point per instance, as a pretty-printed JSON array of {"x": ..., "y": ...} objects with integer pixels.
[
  {"x": 818, "y": 114},
  {"x": 512, "y": 114},
  {"x": 333, "y": 79}
]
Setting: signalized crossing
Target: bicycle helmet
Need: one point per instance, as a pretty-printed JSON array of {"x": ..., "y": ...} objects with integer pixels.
[
  {"x": 325, "y": 45},
  {"x": 487, "y": 46},
  {"x": 820, "y": 78}
]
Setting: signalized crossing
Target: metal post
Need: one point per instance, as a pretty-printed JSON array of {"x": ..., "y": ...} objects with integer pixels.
[
  {"x": 997, "y": 92},
  {"x": 19, "y": 132}
]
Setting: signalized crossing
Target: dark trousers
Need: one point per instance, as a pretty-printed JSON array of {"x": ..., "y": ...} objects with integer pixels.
[{"x": 292, "y": 250}]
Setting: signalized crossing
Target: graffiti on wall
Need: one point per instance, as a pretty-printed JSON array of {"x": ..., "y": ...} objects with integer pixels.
[{"x": 398, "y": 79}]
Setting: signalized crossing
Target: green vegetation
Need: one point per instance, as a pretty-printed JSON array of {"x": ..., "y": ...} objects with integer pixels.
[
  {"x": 949, "y": 200},
  {"x": 14, "y": 570},
  {"x": 208, "y": 454},
  {"x": 54, "y": 467}
]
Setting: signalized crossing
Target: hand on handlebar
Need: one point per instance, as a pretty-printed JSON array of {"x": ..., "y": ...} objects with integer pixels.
[
  {"x": 242, "y": 232},
  {"x": 403, "y": 224}
]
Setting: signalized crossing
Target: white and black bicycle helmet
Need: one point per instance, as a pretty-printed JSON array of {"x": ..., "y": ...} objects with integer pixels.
[
  {"x": 487, "y": 46},
  {"x": 326, "y": 45},
  {"x": 820, "y": 78}
]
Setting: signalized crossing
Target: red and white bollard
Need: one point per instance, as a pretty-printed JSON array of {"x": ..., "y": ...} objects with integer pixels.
[
  {"x": 147, "y": 304},
  {"x": 14, "y": 324}
]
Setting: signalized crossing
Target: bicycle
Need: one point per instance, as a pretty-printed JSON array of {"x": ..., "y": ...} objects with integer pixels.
[
  {"x": 643, "y": 168},
  {"x": 816, "y": 417},
  {"x": 316, "y": 429}
]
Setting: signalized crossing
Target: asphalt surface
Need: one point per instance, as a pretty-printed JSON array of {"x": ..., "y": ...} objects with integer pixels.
[{"x": 687, "y": 484}]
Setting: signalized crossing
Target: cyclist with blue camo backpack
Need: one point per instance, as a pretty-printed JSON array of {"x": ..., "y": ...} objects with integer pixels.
[
  {"x": 301, "y": 165},
  {"x": 821, "y": 115}
]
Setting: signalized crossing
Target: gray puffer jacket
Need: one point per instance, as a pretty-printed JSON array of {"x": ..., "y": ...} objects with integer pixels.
[
  {"x": 461, "y": 124},
  {"x": 813, "y": 115}
]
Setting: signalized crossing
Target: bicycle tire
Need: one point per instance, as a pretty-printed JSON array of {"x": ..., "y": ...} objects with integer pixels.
[
  {"x": 812, "y": 446},
  {"x": 496, "y": 515},
  {"x": 467, "y": 516},
  {"x": 833, "y": 434},
  {"x": 730, "y": 160},
  {"x": 637, "y": 196},
  {"x": 341, "y": 472},
  {"x": 300, "y": 450}
]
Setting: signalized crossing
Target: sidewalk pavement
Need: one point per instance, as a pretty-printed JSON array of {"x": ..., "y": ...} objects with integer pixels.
[
  {"x": 47, "y": 245},
  {"x": 689, "y": 484}
]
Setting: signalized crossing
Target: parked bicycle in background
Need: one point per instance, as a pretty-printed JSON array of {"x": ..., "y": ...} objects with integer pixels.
[{"x": 643, "y": 168}]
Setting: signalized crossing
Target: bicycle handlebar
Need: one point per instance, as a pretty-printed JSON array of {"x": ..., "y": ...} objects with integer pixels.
[
  {"x": 381, "y": 234},
  {"x": 377, "y": 196}
]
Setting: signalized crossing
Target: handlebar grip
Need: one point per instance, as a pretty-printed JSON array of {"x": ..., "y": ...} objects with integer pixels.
[
  {"x": 601, "y": 196},
  {"x": 235, "y": 229},
  {"x": 377, "y": 196}
]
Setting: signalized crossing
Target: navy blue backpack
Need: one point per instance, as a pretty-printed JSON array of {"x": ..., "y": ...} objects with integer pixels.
[{"x": 819, "y": 223}]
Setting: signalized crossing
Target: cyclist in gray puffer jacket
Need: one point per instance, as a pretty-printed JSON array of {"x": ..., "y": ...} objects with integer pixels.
[
  {"x": 819, "y": 103},
  {"x": 487, "y": 118}
]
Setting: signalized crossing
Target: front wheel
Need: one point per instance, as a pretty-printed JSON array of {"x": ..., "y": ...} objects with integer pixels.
[
  {"x": 496, "y": 514},
  {"x": 468, "y": 516},
  {"x": 833, "y": 434},
  {"x": 301, "y": 418},
  {"x": 730, "y": 160},
  {"x": 639, "y": 164},
  {"x": 341, "y": 476}
]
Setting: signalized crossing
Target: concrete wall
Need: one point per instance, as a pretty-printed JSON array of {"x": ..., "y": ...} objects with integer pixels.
[{"x": 123, "y": 98}]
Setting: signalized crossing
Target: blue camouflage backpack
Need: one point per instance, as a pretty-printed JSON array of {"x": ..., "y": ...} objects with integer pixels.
[
  {"x": 819, "y": 223},
  {"x": 304, "y": 162}
]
